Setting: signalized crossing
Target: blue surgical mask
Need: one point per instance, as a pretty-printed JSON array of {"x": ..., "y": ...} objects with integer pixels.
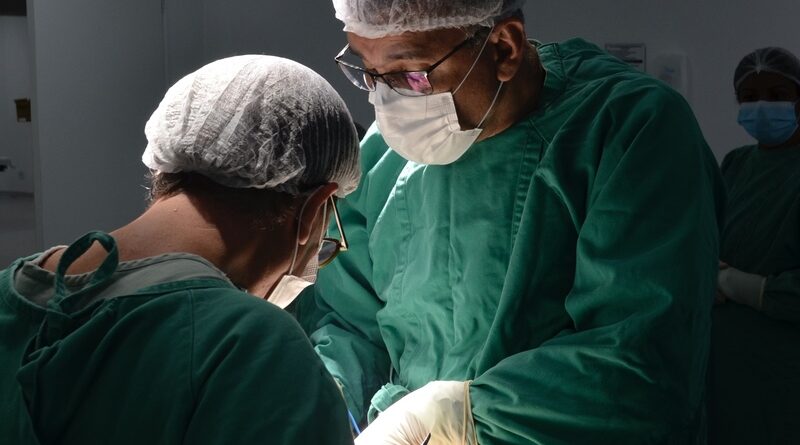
[{"x": 771, "y": 123}]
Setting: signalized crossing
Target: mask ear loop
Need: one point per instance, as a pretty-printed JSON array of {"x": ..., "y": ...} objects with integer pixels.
[
  {"x": 312, "y": 268},
  {"x": 796, "y": 112},
  {"x": 475, "y": 62},
  {"x": 297, "y": 235},
  {"x": 324, "y": 224},
  {"x": 472, "y": 67},
  {"x": 494, "y": 101}
]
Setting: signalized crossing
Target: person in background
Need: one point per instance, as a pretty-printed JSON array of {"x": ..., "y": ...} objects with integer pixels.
[
  {"x": 755, "y": 368},
  {"x": 158, "y": 332},
  {"x": 533, "y": 243}
]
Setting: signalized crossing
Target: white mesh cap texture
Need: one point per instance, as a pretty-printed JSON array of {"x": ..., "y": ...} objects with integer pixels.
[
  {"x": 771, "y": 60},
  {"x": 255, "y": 121},
  {"x": 379, "y": 18}
]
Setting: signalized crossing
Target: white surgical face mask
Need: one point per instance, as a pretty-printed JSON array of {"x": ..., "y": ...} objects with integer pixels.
[
  {"x": 425, "y": 129},
  {"x": 290, "y": 286}
]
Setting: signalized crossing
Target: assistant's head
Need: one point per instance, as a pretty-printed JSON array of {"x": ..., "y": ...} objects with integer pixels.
[
  {"x": 253, "y": 140},
  {"x": 767, "y": 84},
  {"x": 419, "y": 57}
]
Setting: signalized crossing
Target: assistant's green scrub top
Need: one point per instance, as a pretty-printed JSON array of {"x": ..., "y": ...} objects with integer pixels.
[
  {"x": 755, "y": 368},
  {"x": 566, "y": 266},
  {"x": 162, "y": 350}
]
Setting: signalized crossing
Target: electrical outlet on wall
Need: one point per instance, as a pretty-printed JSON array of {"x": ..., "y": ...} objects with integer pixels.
[{"x": 23, "y": 109}]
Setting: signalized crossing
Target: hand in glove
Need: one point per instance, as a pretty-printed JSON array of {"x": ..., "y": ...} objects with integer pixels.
[
  {"x": 441, "y": 409},
  {"x": 741, "y": 287}
]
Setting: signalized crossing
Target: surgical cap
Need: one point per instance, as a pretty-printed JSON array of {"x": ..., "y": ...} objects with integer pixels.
[
  {"x": 255, "y": 122},
  {"x": 769, "y": 60},
  {"x": 379, "y": 18}
]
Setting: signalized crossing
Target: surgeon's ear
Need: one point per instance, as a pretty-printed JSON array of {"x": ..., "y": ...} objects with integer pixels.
[
  {"x": 509, "y": 40},
  {"x": 797, "y": 103},
  {"x": 309, "y": 220}
]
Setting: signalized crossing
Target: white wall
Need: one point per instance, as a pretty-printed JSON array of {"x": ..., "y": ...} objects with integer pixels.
[
  {"x": 183, "y": 37},
  {"x": 16, "y": 138},
  {"x": 302, "y": 30},
  {"x": 99, "y": 73},
  {"x": 715, "y": 35}
]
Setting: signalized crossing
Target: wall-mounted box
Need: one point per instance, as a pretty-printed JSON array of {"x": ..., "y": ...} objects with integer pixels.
[{"x": 23, "y": 110}]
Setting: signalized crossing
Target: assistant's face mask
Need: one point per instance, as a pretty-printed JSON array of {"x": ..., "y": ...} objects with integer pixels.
[
  {"x": 770, "y": 123},
  {"x": 290, "y": 286},
  {"x": 425, "y": 129}
]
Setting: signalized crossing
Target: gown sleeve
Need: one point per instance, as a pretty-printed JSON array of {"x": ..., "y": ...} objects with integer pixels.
[
  {"x": 782, "y": 296},
  {"x": 631, "y": 368}
]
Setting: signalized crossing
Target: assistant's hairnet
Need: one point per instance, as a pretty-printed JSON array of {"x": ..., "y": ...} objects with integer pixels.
[
  {"x": 255, "y": 122},
  {"x": 770, "y": 60},
  {"x": 379, "y": 18}
]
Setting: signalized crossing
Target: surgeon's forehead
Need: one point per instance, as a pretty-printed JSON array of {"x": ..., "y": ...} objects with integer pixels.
[{"x": 424, "y": 46}]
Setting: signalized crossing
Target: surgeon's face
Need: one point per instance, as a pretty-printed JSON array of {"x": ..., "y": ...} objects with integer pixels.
[
  {"x": 769, "y": 87},
  {"x": 417, "y": 51}
]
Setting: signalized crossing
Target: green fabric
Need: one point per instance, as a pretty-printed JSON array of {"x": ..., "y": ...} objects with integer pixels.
[
  {"x": 37, "y": 284},
  {"x": 191, "y": 361},
  {"x": 565, "y": 265},
  {"x": 385, "y": 398},
  {"x": 762, "y": 233},
  {"x": 755, "y": 367}
]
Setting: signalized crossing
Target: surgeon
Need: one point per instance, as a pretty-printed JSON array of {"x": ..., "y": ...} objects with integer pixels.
[
  {"x": 533, "y": 243},
  {"x": 158, "y": 332},
  {"x": 755, "y": 369}
]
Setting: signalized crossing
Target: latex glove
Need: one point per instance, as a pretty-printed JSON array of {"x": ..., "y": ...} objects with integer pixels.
[
  {"x": 441, "y": 409},
  {"x": 741, "y": 287}
]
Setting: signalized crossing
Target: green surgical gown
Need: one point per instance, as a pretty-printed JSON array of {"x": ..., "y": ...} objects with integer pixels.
[
  {"x": 188, "y": 360},
  {"x": 755, "y": 367},
  {"x": 566, "y": 266}
]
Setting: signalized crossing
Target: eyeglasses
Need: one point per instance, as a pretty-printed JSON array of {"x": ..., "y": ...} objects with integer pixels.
[
  {"x": 407, "y": 83},
  {"x": 329, "y": 248}
]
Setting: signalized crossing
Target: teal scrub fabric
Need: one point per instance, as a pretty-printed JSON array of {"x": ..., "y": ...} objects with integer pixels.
[
  {"x": 193, "y": 361},
  {"x": 755, "y": 367},
  {"x": 566, "y": 266}
]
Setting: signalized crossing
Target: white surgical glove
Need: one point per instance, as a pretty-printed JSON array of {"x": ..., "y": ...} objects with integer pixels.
[
  {"x": 742, "y": 287},
  {"x": 441, "y": 409}
]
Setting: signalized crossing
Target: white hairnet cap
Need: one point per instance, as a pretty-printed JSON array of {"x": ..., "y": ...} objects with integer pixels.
[
  {"x": 255, "y": 122},
  {"x": 770, "y": 60},
  {"x": 379, "y": 18}
]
